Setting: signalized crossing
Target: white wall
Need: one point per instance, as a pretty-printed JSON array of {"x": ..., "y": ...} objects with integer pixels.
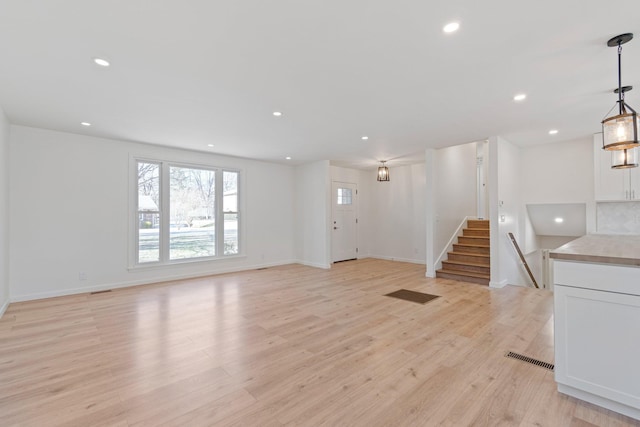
[
  {"x": 398, "y": 215},
  {"x": 506, "y": 209},
  {"x": 455, "y": 190},
  {"x": 312, "y": 214},
  {"x": 69, "y": 209},
  {"x": 4, "y": 212},
  {"x": 558, "y": 173}
]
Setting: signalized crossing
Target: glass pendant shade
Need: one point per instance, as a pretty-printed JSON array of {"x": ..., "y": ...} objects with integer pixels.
[
  {"x": 624, "y": 159},
  {"x": 621, "y": 132},
  {"x": 383, "y": 173}
]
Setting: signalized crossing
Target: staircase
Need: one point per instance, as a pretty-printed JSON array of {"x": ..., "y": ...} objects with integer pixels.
[{"x": 469, "y": 261}]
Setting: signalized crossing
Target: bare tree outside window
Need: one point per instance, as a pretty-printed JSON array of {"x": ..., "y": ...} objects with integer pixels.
[
  {"x": 148, "y": 212},
  {"x": 192, "y": 212},
  {"x": 230, "y": 209}
]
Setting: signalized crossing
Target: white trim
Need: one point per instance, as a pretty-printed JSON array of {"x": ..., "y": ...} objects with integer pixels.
[
  {"x": 449, "y": 246},
  {"x": 600, "y": 401},
  {"x": 4, "y": 308},
  {"x": 389, "y": 258},
  {"x": 500, "y": 284},
  {"x": 117, "y": 285},
  {"x": 165, "y": 212},
  {"x": 313, "y": 264}
]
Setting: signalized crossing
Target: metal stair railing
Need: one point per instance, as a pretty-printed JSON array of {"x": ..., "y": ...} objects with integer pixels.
[{"x": 522, "y": 260}]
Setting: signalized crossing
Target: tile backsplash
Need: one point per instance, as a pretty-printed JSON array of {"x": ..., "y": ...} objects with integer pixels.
[{"x": 618, "y": 218}]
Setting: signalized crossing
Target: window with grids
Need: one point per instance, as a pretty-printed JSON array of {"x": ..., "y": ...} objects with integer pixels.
[{"x": 185, "y": 212}]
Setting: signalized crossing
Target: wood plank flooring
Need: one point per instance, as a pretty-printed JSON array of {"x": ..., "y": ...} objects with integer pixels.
[{"x": 287, "y": 346}]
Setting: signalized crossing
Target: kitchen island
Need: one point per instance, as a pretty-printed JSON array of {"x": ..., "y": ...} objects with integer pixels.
[{"x": 597, "y": 321}]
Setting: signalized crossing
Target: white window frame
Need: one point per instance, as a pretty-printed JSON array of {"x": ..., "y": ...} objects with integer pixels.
[{"x": 164, "y": 211}]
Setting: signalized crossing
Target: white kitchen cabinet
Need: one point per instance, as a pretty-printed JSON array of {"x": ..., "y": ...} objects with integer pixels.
[
  {"x": 597, "y": 334},
  {"x": 612, "y": 184}
]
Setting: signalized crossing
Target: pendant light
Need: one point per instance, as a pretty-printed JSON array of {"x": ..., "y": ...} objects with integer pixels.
[
  {"x": 627, "y": 157},
  {"x": 620, "y": 132},
  {"x": 383, "y": 172}
]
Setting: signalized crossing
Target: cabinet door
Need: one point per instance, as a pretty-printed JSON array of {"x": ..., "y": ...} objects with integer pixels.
[
  {"x": 610, "y": 184},
  {"x": 597, "y": 343}
]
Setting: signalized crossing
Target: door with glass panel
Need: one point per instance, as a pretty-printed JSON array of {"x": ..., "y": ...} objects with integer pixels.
[{"x": 344, "y": 224}]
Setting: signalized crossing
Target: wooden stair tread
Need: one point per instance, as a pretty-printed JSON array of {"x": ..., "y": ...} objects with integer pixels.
[
  {"x": 470, "y": 254},
  {"x": 464, "y": 273},
  {"x": 472, "y": 246},
  {"x": 473, "y": 264}
]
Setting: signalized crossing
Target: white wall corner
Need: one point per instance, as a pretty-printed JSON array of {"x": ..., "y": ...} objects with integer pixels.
[
  {"x": 500, "y": 284},
  {"x": 494, "y": 240},
  {"x": 430, "y": 210},
  {"x": 4, "y": 308}
]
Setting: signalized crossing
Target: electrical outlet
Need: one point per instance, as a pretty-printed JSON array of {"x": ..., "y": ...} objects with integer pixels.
[{"x": 82, "y": 276}]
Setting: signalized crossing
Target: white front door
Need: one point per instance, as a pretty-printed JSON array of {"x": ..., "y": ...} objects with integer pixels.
[{"x": 344, "y": 221}]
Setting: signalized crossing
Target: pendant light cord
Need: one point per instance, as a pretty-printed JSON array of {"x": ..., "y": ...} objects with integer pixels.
[{"x": 620, "y": 105}]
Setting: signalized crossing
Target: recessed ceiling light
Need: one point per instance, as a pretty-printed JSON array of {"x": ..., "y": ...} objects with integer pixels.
[
  {"x": 288, "y": 158},
  {"x": 559, "y": 220},
  {"x": 364, "y": 138},
  {"x": 277, "y": 113},
  {"x": 210, "y": 145},
  {"x": 101, "y": 62},
  {"x": 451, "y": 27},
  {"x": 85, "y": 124},
  {"x": 553, "y": 131},
  {"x": 520, "y": 97}
]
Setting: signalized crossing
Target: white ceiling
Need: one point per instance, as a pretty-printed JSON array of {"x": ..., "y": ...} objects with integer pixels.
[{"x": 195, "y": 72}]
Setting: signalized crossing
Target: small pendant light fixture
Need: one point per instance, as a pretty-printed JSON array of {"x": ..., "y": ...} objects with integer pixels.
[
  {"x": 620, "y": 132},
  {"x": 624, "y": 159},
  {"x": 383, "y": 172}
]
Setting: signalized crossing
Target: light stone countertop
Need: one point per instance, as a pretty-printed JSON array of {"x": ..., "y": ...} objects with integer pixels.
[{"x": 601, "y": 248}]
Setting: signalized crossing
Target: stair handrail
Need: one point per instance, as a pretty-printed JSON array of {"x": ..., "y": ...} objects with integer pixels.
[
  {"x": 523, "y": 261},
  {"x": 449, "y": 245}
]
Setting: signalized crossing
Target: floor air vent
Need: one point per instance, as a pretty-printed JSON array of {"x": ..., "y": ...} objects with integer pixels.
[
  {"x": 531, "y": 360},
  {"x": 99, "y": 292}
]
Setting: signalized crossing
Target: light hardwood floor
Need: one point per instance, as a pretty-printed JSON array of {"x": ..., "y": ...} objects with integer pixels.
[{"x": 290, "y": 345}]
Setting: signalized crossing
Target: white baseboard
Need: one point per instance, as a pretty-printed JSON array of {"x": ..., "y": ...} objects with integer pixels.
[
  {"x": 388, "y": 258},
  {"x": 117, "y": 285},
  {"x": 600, "y": 401},
  {"x": 4, "y": 308},
  {"x": 313, "y": 264},
  {"x": 500, "y": 284}
]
